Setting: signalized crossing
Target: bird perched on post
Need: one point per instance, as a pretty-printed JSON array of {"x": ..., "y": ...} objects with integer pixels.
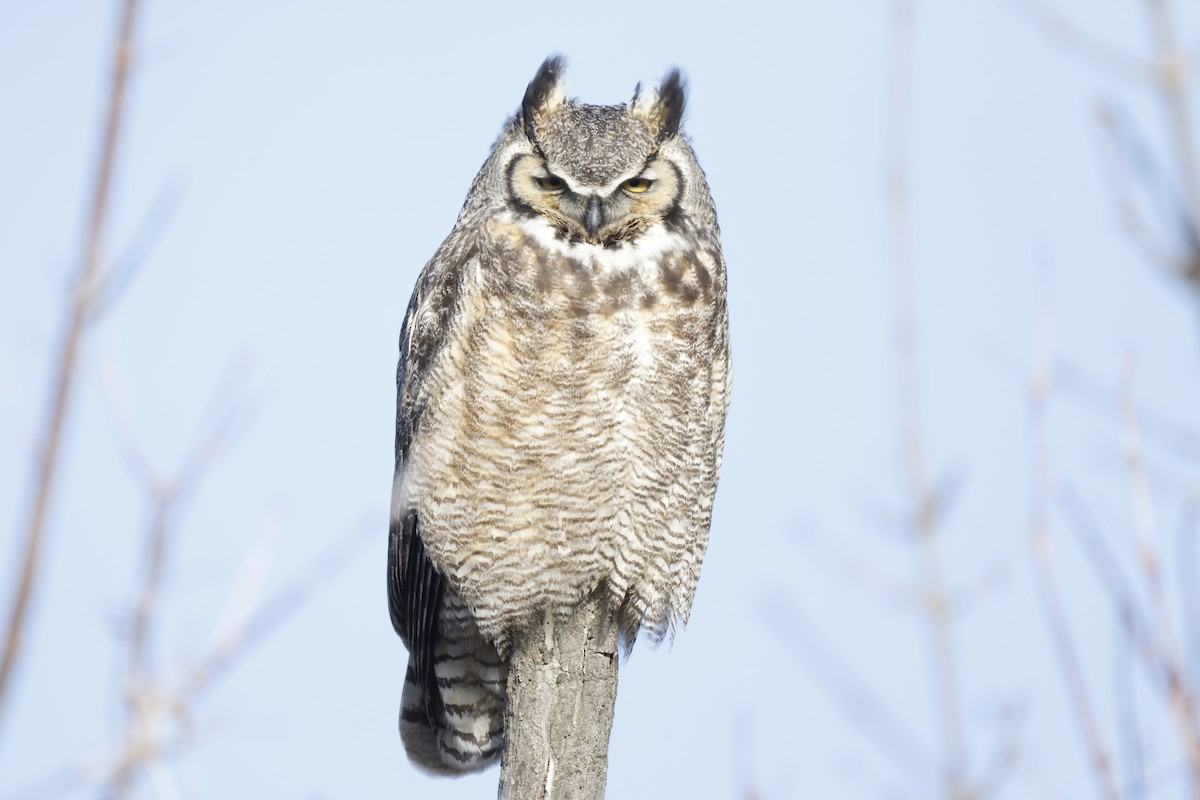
[{"x": 562, "y": 387}]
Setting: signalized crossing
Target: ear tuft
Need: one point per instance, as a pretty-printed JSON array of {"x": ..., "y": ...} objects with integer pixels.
[
  {"x": 545, "y": 93},
  {"x": 663, "y": 108}
]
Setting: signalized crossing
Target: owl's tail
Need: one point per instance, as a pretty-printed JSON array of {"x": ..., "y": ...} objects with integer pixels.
[{"x": 461, "y": 728}]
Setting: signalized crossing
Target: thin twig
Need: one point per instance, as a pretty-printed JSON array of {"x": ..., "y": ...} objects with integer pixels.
[
  {"x": 1100, "y": 397},
  {"x": 990, "y": 578},
  {"x": 742, "y": 746},
  {"x": 1042, "y": 555},
  {"x": 147, "y": 702},
  {"x": 1005, "y": 755},
  {"x": 856, "y": 570},
  {"x": 1172, "y": 80},
  {"x": 1144, "y": 524},
  {"x": 1132, "y": 617},
  {"x": 1129, "y": 157},
  {"x": 1072, "y": 40},
  {"x": 66, "y": 364},
  {"x": 1135, "y": 623},
  {"x": 873, "y": 719},
  {"x": 1060, "y": 633},
  {"x": 1181, "y": 701},
  {"x": 130, "y": 261},
  {"x": 140, "y": 695},
  {"x": 175, "y": 704},
  {"x": 273, "y": 613},
  {"x": 924, "y": 501},
  {"x": 1189, "y": 589},
  {"x": 1129, "y": 725}
]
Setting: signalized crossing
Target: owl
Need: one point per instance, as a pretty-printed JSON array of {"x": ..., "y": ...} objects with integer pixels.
[{"x": 562, "y": 388}]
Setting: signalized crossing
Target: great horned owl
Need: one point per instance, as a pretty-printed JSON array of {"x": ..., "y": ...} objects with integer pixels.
[{"x": 562, "y": 386}]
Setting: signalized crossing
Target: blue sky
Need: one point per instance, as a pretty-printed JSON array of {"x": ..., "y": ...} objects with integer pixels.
[{"x": 315, "y": 154}]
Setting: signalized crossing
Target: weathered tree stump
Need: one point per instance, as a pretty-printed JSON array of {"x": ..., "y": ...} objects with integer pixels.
[{"x": 562, "y": 687}]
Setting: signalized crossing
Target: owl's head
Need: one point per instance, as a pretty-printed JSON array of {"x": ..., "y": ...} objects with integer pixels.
[{"x": 599, "y": 174}]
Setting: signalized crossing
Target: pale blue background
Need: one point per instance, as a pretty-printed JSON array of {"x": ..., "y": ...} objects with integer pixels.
[{"x": 320, "y": 151}]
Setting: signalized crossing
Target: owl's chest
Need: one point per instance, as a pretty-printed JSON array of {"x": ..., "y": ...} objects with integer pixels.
[
  {"x": 594, "y": 320},
  {"x": 568, "y": 391},
  {"x": 554, "y": 354}
]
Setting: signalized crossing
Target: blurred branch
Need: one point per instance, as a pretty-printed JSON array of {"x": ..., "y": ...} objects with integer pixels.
[
  {"x": 1129, "y": 728},
  {"x": 925, "y": 503},
  {"x": 160, "y": 709},
  {"x": 1181, "y": 700},
  {"x": 82, "y": 298},
  {"x": 1041, "y": 550},
  {"x": 1071, "y": 39},
  {"x": 856, "y": 570},
  {"x": 1170, "y": 71},
  {"x": 128, "y": 263},
  {"x": 147, "y": 704},
  {"x": 1129, "y": 612},
  {"x": 742, "y": 745},
  {"x": 990, "y": 578},
  {"x": 273, "y": 613},
  {"x": 1138, "y": 626},
  {"x": 870, "y": 715},
  {"x": 1006, "y": 753},
  {"x": 1101, "y": 398},
  {"x": 1131, "y": 158},
  {"x": 1042, "y": 553},
  {"x": 1189, "y": 588},
  {"x": 174, "y": 703},
  {"x": 866, "y": 576},
  {"x": 1172, "y": 81},
  {"x": 1060, "y": 632}
]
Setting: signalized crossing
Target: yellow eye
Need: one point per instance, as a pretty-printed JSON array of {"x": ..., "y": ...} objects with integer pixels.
[
  {"x": 637, "y": 185},
  {"x": 551, "y": 183}
]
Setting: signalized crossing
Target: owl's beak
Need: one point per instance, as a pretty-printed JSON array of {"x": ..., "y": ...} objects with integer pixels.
[{"x": 592, "y": 218}]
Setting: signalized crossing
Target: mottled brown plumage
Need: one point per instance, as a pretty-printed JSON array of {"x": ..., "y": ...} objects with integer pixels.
[{"x": 563, "y": 380}]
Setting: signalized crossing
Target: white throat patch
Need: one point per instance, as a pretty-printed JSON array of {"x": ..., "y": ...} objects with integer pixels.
[{"x": 646, "y": 249}]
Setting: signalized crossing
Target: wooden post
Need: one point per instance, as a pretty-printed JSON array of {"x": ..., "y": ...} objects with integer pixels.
[{"x": 562, "y": 687}]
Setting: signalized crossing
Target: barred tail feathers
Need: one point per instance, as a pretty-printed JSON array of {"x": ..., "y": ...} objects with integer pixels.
[{"x": 461, "y": 729}]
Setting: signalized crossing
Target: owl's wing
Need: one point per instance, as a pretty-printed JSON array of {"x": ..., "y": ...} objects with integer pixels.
[
  {"x": 415, "y": 586},
  {"x": 414, "y": 597}
]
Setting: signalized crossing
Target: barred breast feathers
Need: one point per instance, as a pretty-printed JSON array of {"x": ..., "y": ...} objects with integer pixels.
[{"x": 664, "y": 270}]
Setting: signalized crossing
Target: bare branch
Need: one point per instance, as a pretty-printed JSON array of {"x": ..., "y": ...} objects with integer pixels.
[{"x": 66, "y": 363}]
